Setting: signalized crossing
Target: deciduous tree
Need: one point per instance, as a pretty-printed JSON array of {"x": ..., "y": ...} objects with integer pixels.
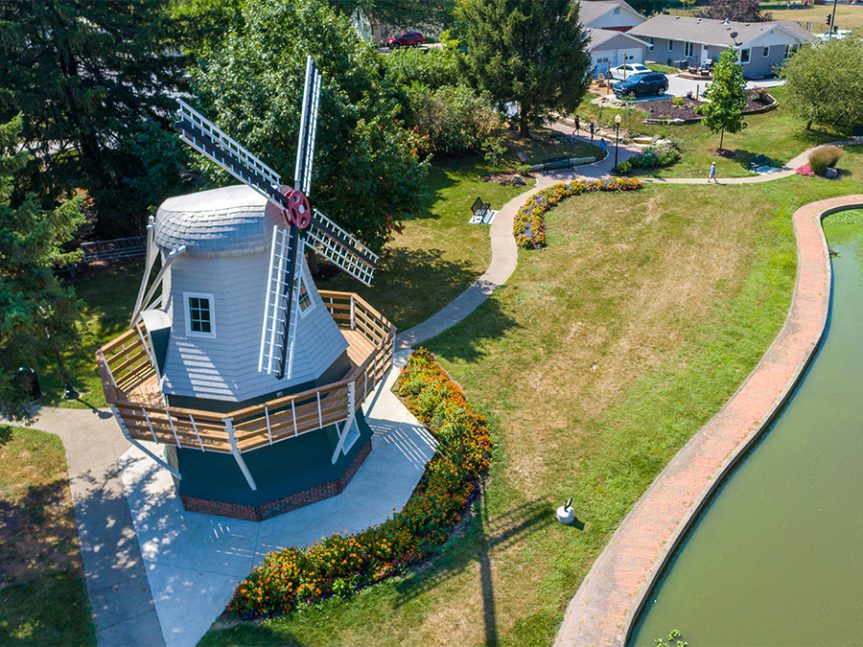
[
  {"x": 824, "y": 84},
  {"x": 727, "y": 97},
  {"x": 527, "y": 51},
  {"x": 739, "y": 10},
  {"x": 38, "y": 314},
  {"x": 366, "y": 169}
]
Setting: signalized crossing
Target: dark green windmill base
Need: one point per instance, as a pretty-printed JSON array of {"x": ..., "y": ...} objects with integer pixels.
[{"x": 288, "y": 474}]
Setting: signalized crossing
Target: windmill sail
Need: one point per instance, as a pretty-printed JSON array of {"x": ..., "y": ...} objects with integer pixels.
[
  {"x": 308, "y": 128},
  {"x": 279, "y": 316},
  {"x": 341, "y": 248}
]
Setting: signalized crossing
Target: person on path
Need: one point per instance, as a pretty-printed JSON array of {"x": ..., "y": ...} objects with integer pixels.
[
  {"x": 577, "y": 124},
  {"x": 712, "y": 174},
  {"x": 603, "y": 145},
  {"x": 592, "y": 130}
]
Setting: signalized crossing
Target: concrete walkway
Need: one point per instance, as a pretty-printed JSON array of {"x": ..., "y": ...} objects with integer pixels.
[{"x": 610, "y": 597}]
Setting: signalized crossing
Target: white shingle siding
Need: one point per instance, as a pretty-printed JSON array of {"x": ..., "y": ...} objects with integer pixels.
[{"x": 225, "y": 367}]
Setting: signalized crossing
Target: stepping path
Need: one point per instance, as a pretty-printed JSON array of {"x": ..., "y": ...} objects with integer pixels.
[
  {"x": 610, "y": 597},
  {"x": 117, "y": 584}
]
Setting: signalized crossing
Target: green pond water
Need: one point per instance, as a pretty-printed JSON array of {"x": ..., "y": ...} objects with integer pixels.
[{"x": 777, "y": 556}]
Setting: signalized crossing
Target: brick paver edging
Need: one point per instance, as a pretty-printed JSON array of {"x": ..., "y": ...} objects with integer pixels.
[{"x": 606, "y": 605}]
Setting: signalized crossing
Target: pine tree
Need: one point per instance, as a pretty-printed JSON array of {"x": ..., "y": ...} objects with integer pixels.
[
  {"x": 727, "y": 97},
  {"x": 92, "y": 79},
  {"x": 39, "y": 313},
  {"x": 531, "y": 52}
]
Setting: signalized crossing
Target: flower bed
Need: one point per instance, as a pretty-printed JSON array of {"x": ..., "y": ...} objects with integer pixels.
[
  {"x": 529, "y": 224},
  {"x": 340, "y": 564}
]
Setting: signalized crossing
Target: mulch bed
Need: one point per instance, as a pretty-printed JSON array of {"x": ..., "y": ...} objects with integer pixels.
[{"x": 665, "y": 108}]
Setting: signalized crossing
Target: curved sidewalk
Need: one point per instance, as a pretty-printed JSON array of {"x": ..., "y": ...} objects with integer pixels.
[{"x": 610, "y": 597}]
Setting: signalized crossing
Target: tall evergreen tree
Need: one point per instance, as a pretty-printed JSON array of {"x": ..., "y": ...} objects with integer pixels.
[
  {"x": 531, "y": 52},
  {"x": 38, "y": 314},
  {"x": 92, "y": 79},
  {"x": 727, "y": 97}
]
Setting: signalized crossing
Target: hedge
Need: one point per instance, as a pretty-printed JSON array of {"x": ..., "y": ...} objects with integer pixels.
[
  {"x": 529, "y": 224},
  {"x": 340, "y": 564}
]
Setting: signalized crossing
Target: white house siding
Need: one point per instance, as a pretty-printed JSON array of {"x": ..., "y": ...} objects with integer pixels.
[
  {"x": 616, "y": 51},
  {"x": 621, "y": 20},
  {"x": 760, "y": 65},
  {"x": 225, "y": 367}
]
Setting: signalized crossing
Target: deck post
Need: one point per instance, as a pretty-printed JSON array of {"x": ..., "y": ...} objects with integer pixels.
[
  {"x": 348, "y": 423},
  {"x": 320, "y": 416},
  {"x": 128, "y": 437},
  {"x": 269, "y": 428},
  {"x": 353, "y": 313},
  {"x": 229, "y": 427}
]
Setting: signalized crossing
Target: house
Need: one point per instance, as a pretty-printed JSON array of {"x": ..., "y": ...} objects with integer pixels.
[
  {"x": 607, "y": 23},
  {"x": 689, "y": 41}
]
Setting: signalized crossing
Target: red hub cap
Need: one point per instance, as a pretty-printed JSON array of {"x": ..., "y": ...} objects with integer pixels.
[{"x": 299, "y": 212}]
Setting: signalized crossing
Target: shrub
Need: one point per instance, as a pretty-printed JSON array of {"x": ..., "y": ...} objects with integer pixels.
[
  {"x": 523, "y": 169},
  {"x": 805, "y": 170},
  {"x": 623, "y": 168},
  {"x": 493, "y": 150},
  {"x": 529, "y": 223},
  {"x": 339, "y": 564},
  {"x": 655, "y": 157},
  {"x": 453, "y": 119},
  {"x": 824, "y": 157},
  {"x": 677, "y": 101},
  {"x": 434, "y": 68}
]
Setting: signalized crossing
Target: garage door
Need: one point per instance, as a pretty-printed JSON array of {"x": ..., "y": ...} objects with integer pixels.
[{"x": 635, "y": 55}]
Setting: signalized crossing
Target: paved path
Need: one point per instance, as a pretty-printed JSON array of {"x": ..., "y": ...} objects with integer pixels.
[
  {"x": 606, "y": 604},
  {"x": 117, "y": 585}
]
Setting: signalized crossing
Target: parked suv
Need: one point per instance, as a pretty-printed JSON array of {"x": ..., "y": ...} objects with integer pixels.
[
  {"x": 407, "y": 39},
  {"x": 640, "y": 84}
]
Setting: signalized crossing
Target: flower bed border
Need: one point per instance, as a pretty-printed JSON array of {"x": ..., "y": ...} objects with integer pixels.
[
  {"x": 340, "y": 564},
  {"x": 529, "y": 222}
]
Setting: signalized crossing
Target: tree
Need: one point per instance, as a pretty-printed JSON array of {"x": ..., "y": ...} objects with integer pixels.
[
  {"x": 366, "y": 168},
  {"x": 650, "y": 7},
  {"x": 39, "y": 312},
  {"x": 528, "y": 51},
  {"x": 824, "y": 83},
  {"x": 400, "y": 13},
  {"x": 727, "y": 97},
  {"x": 738, "y": 10},
  {"x": 91, "y": 78}
]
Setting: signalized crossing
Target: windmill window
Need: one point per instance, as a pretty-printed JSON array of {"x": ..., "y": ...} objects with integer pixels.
[
  {"x": 304, "y": 299},
  {"x": 200, "y": 315}
]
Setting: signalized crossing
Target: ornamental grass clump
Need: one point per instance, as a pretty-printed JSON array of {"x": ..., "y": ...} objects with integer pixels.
[
  {"x": 529, "y": 222},
  {"x": 824, "y": 157},
  {"x": 340, "y": 564}
]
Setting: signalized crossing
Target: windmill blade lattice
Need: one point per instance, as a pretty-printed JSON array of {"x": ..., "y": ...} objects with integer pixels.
[
  {"x": 341, "y": 248},
  {"x": 278, "y": 330}
]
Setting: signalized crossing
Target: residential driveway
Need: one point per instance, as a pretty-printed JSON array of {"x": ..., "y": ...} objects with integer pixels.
[{"x": 680, "y": 87}]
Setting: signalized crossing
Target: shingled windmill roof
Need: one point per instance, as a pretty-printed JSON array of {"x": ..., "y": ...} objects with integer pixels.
[{"x": 230, "y": 221}]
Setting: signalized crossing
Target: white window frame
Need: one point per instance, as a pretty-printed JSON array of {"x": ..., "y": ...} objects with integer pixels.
[
  {"x": 748, "y": 56},
  {"x": 301, "y": 282},
  {"x": 211, "y": 300},
  {"x": 688, "y": 49},
  {"x": 765, "y": 51}
]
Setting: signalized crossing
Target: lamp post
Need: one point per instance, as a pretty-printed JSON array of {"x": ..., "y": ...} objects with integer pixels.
[
  {"x": 617, "y": 120},
  {"x": 833, "y": 20}
]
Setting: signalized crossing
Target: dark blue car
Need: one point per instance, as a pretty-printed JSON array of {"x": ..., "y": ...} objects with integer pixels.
[{"x": 642, "y": 84}]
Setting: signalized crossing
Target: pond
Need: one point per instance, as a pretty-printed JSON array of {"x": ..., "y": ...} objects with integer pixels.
[{"x": 776, "y": 558}]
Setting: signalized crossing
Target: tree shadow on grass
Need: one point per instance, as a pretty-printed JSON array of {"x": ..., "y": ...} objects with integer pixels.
[{"x": 485, "y": 535}]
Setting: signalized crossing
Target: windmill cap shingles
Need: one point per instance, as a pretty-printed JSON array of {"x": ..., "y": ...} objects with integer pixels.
[
  {"x": 231, "y": 221},
  {"x": 710, "y": 31}
]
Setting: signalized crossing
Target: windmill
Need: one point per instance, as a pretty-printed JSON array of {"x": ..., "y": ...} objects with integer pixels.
[
  {"x": 249, "y": 380},
  {"x": 303, "y": 226}
]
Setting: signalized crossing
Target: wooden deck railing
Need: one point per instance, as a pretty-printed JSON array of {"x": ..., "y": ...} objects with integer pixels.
[{"x": 125, "y": 364}]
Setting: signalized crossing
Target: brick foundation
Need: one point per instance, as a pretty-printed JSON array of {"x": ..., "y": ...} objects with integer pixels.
[{"x": 286, "y": 504}]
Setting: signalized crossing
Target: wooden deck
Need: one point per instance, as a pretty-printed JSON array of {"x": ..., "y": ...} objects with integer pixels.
[{"x": 131, "y": 384}]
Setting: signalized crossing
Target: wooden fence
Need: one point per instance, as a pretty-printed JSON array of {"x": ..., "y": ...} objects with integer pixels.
[{"x": 126, "y": 364}]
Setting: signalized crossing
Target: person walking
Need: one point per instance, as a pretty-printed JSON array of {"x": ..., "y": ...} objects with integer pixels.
[
  {"x": 712, "y": 174},
  {"x": 592, "y": 130},
  {"x": 603, "y": 146},
  {"x": 577, "y": 124}
]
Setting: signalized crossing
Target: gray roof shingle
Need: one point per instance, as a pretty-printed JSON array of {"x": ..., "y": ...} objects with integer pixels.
[
  {"x": 714, "y": 32},
  {"x": 230, "y": 221}
]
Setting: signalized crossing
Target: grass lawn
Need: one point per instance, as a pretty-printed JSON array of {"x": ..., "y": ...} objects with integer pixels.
[
  {"x": 598, "y": 360},
  {"x": 43, "y": 600},
  {"x": 545, "y": 144},
  {"x": 438, "y": 254},
  {"x": 436, "y": 257},
  {"x": 665, "y": 69},
  {"x": 777, "y": 135}
]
